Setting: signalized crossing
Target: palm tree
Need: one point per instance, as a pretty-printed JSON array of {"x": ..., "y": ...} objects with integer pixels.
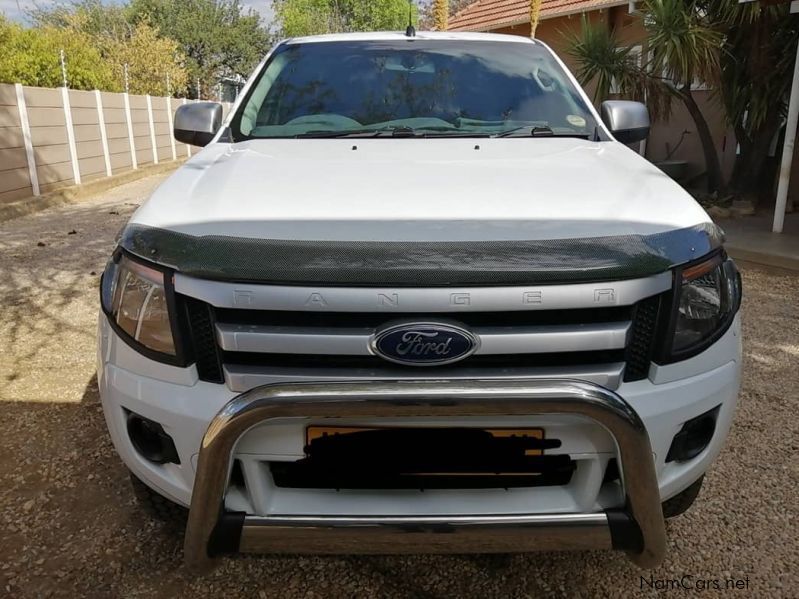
[
  {"x": 758, "y": 47},
  {"x": 441, "y": 14},
  {"x": 684, "y": 48},
  {"x": 535, "y": 11}
]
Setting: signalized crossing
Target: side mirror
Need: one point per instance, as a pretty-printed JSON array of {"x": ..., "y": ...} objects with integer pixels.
[
  {"x": 627, "y": 121},
  {"x": 196, "y": 124}
]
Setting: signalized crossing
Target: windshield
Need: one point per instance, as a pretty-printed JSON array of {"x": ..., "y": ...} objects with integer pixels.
[{"x": 412, "y": 87}]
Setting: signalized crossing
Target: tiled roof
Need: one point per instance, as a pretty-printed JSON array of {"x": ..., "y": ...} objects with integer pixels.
[{"x": 485, "y": 15}]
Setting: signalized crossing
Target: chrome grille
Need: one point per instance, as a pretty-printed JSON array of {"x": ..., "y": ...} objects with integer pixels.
[{"x": 589, "y": 340}]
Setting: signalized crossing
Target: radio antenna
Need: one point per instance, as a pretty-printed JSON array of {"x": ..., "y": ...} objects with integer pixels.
[{"x": 410, "y": 31}]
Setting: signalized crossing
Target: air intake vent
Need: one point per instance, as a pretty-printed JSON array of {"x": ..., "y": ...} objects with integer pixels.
[
  {"x": 201, "y": 319},
  {"x": 642, "y": 337}
]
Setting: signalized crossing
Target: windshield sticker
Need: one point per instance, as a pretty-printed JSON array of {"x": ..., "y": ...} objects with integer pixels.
[{"x": 575, "y": 120}]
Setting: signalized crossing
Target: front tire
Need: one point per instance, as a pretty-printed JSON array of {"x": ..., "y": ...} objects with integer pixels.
[
  {"x": 679, "y": 504},
  {"x": 157, "y": 506}
]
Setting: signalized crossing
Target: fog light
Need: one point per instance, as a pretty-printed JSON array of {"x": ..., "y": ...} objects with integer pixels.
[
  {"x": 151, "y": 441},
  {"x": 693, "y": 437}
]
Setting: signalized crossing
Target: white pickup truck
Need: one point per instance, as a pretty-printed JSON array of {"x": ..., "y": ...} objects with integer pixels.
[{"x": 416, "y": 295}]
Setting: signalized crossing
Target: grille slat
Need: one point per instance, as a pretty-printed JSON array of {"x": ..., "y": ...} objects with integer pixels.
[
  {"x": 242, "y": 377},
  {"x": 329, "y": 319},
  {"x": 493, "y": 340},
  {"x": 498, "y": 361}
]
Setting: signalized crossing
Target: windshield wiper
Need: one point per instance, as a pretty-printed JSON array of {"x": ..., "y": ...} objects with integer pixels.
[
  {"x": 393, "y": 131},
  {"x": 346, "y": 133},
  {"x": 537, "y": 131}
]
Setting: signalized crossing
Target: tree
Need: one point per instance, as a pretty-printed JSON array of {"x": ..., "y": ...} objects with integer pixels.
[
  {"x": 683, "y": 48},
  {"x": 738, "y": 48},
  {"x": 152, "y": 62},
  {"x": 150, "y": 59},
  {"x": 310, "y": 17},
  {"x": 32, "y": 57},
  {"x": 427, "y": 11},
  {"x": 218, "y": 38},
  {"x": 535, "y": 12},
  {"x": 441, "y": 14},
  {"x": 759, "y": 43},
  {"x": 92, "y": 17}
]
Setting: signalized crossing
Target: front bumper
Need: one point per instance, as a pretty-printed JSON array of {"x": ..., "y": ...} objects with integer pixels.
[
  {"x": 637, "y": 527},
  {"x": 343, "y": 523}
]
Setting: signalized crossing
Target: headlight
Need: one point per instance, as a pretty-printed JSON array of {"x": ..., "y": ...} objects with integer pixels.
[
  {"x": 134, "y": 297},
  {"x": 708, "y": 295}
]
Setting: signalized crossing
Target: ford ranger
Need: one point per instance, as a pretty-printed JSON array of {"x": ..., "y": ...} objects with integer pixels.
[{"x": 416, "y": 294}]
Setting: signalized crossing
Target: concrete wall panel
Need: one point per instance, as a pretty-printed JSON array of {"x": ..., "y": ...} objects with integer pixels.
[
  {"x": 55, "y": 173},
  {"x": 89, "y": 149},
  {"x": 81, "y": 99},
  {"x": 43, "y": 97},
  {"x": 52, "y": 154},
  {"x": 14, "y": 179},
  {"x": 10, "y": 137},
  {"x": 116, "y": 131},
  {"x": 119, "y": 146},
  {"x": 92, "y": 166},
  {"x": 48, "y": 133},
  {"x": 84, "y": 116},
  {"x": 120, "y": 162},
  {"x": 11, "y": 159},
  {"x": 44, "y": 136},
  {"x": 46, "y": 116},
  {"x": 114, "y": 115},
  {"x": 111, "y": 100},
  {"x": 8, "y": 95},
  {"x": 138, "y": 102},
  {"x": 16, "y": 194},
  {"x": 87, "y": 133},
  {"x": 9, "y": 116}
]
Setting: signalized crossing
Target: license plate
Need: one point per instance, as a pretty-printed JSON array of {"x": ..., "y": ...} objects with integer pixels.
[{"x": 315, "y": 432}]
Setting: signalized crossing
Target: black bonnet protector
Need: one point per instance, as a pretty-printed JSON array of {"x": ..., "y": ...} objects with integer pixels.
[{"x": 420, "y": 263}]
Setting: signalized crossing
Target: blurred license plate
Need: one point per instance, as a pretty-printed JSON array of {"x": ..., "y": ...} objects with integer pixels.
[{"x": 315, "y": 432}]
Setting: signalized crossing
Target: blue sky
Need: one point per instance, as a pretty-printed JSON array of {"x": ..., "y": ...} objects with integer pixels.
[{"x": 15, "y": 9}]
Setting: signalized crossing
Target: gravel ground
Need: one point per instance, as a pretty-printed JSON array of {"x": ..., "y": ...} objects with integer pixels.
[{"x": 69, "y": 526}]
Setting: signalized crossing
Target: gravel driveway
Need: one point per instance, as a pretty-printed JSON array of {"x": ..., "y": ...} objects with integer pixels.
[{"x": 70, "y": 527}]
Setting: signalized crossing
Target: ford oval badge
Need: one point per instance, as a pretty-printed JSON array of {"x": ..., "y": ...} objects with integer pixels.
[{"x": 424, "y": 343}]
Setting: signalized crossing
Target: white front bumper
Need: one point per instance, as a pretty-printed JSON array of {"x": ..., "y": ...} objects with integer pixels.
[{"x": 185, "y": 406}]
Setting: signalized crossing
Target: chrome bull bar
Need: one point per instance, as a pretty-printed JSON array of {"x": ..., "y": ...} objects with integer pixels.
[{"x": 637, "y": 528}]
